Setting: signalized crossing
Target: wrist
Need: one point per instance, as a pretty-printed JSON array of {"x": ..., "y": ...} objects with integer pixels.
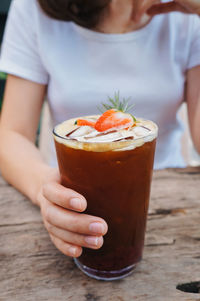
[{"x": 43, "y": 175}]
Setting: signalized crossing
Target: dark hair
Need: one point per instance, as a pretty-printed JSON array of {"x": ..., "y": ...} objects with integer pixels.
[{"x": 83, "y": 12}]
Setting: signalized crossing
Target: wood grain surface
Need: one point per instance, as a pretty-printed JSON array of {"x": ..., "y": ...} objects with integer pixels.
[{"x": 32, "y": 269}]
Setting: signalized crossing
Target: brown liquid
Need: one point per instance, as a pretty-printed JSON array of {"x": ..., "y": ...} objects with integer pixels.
[{"x": 116, "y": 185}]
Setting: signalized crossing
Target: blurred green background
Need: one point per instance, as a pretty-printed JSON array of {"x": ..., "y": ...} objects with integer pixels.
[{"x": 4, "y": 7}]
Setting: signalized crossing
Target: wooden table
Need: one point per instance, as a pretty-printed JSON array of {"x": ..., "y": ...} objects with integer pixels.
[{"x": 31, "y": 268}]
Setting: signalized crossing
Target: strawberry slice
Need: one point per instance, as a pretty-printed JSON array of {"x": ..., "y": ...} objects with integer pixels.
[
  {"x": 114, "y": 119},
  {"x": 82, "y": 122}
]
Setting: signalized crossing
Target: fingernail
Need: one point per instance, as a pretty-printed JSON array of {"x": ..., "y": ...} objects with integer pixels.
[
  {"x": 75, "y": 203},
  {"x": 92, "y": 240},
  {"x": 72, "y": 251},
  {"x": 96, "y": 228}
]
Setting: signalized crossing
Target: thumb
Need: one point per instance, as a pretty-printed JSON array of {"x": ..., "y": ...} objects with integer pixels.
[{"x": 166, "y": 8}]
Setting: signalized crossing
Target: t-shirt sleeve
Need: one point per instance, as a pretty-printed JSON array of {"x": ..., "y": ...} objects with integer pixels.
[
  {"x": 20, "y": 52},
  {"x": 194, "y": 54}
]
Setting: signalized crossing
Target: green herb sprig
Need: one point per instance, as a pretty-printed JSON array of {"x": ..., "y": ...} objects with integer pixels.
[{"x": 117, "y": 104}]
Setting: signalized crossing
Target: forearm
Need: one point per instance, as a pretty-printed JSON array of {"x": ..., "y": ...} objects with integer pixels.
[
  {"x": 195, "y": 127},
  {"x": 21, "y": 164},
  {"x": 193, "y": 104}
]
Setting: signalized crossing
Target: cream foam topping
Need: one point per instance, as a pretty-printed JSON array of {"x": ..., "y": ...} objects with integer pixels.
[{"x": 87, "y": 138}]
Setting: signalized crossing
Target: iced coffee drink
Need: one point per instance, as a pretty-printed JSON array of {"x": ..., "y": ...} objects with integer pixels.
[{"x": 110, "y": 163}]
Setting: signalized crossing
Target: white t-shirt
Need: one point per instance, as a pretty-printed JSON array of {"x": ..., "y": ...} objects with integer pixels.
[{"x": 82, "y": 67}]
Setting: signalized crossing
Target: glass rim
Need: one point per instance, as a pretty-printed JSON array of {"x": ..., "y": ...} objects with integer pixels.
[{"x": 106, "y": 142}]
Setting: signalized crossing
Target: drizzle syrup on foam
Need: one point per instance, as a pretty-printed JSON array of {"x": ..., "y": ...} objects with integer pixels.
[{"x": 87, "y": 138}]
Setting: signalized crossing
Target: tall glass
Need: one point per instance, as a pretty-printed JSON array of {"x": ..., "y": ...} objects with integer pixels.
[{"x": 116, "y": 185}]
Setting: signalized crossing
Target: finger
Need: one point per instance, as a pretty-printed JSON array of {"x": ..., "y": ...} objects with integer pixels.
[
  {"x": 93, "y": 242},
  {"x": 74, "y": 222},
  {"x": 64, "y": 197},
  {"x": 141, "y": 7},
  {"x": 192, "y": 6},
  {"x": 166, "y": 8},
  {"x": 66, "y": 248}
]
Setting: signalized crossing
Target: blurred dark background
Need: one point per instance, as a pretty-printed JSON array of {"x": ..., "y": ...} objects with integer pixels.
[{"x": 4, "y": 7}]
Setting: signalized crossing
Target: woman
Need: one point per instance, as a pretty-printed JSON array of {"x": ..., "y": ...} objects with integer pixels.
[{"x": 108, "y": 46}]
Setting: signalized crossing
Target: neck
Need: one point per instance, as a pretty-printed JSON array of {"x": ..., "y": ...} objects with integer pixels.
[{"x": 118, "y": 18}]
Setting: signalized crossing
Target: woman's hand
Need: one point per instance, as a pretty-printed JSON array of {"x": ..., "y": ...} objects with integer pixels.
[
  {"x": 185, "y": 6},
  {"x": 154, "y": 7},
  {"x": 60, "y": 207},
  {"x": 69, "y": 230}
]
